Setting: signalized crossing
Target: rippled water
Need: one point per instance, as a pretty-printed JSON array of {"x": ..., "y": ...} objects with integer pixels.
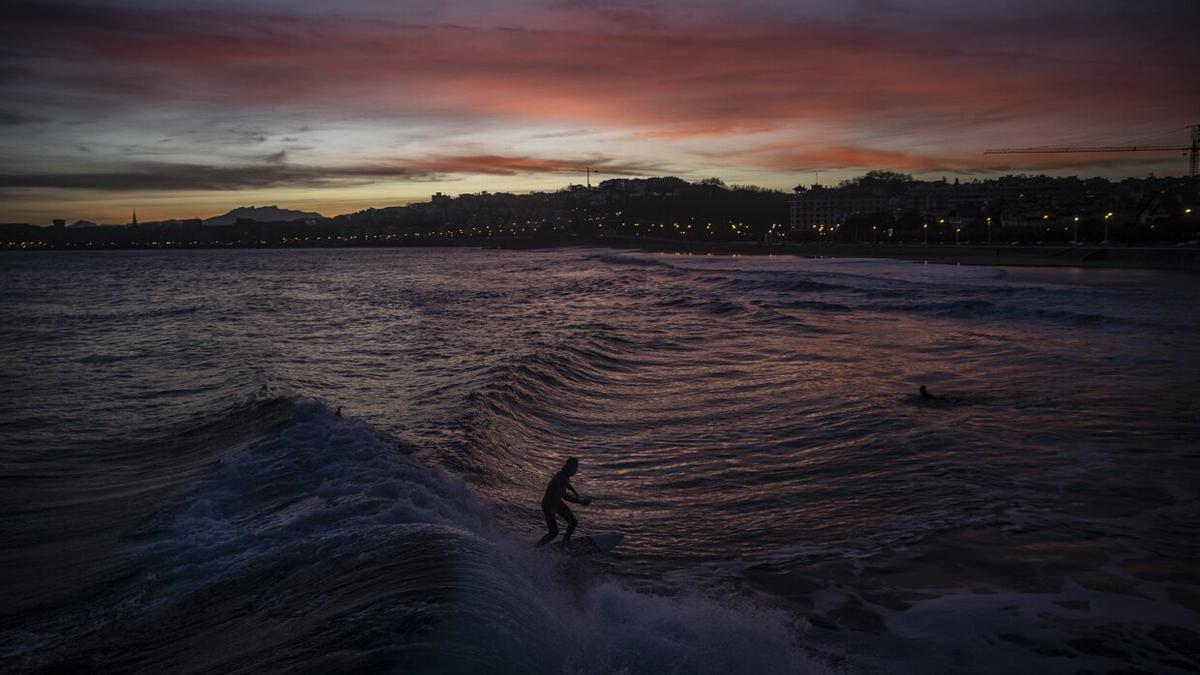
[{"x": 178, "y": 492}]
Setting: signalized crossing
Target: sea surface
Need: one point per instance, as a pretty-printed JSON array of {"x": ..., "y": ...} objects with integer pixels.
[{"x": 178, "y": 492}]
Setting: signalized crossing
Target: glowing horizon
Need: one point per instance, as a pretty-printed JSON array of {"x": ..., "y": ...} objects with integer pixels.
[{"x": 185, "y": 109}]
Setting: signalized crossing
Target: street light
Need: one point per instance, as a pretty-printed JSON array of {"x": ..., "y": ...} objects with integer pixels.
[
  {"x": 1076, "y": 239},
  {"x": 1107, "y": 217},
  {"x": 926, "y": 227},
  {"x": 989, "y": 230}
]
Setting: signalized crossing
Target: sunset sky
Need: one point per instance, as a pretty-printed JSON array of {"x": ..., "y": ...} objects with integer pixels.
[{"x": 184, "y": 108}]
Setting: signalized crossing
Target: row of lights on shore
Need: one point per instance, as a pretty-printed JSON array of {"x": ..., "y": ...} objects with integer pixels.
[{"x": 737, "y": 228}]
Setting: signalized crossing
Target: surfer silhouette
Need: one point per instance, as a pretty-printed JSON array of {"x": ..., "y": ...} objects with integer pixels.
[
  {"x": 559, "y": 491},
  {"x": 925, "y": 395}
]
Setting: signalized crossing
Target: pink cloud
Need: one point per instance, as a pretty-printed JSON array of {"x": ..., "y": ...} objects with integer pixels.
[
  {"x": 725, "y": 76},
  {"x": 788, "y": 158}
]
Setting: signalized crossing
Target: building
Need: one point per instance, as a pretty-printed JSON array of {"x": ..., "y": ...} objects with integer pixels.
[{"x": 820, "y": 207}]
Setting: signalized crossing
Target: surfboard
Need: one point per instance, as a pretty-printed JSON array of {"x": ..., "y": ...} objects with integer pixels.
[{"x": 601, "y": 542}]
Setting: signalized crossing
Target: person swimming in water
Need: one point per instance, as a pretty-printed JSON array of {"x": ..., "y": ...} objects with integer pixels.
[
  {"x": 558, "y": 491},
  {"x": 925, "y": 395}
]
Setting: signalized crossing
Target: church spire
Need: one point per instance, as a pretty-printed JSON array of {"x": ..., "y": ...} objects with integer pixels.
[{"x": 134, "y": 221}]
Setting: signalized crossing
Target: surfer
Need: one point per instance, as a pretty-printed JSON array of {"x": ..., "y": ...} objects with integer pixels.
[
  {"x": 557, "y": 492},
  {"x": 925, "y": 395}
]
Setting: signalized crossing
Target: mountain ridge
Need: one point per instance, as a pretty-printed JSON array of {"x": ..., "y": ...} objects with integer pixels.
[{"x": 262, "y": 214}]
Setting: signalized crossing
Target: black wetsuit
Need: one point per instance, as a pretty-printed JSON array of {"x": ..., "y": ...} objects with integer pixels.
[{"x": 558, "y": 491}]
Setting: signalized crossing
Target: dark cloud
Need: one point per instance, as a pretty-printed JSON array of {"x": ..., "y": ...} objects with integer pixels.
[
  {"x": 12, "y": 118},
  {"x": 274, "y": 172},
  {"x": 218, "y": 133},
  {"x": 153, "y": 177},
  {"x": 501, "y": 165}
]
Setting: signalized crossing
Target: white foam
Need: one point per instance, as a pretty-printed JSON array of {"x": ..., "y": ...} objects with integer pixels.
[{"x": 328, "y": 489}]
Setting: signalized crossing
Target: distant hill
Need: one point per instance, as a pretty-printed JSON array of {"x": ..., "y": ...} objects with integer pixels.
[{"x": 263, "y": 214}]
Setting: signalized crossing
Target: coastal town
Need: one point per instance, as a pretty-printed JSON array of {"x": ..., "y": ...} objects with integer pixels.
[{"x": 879, "y": 208}]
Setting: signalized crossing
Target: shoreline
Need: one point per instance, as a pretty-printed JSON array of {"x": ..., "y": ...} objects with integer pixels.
[
  {"x": 1175, "y": 259},
  {"x": 1184, "y": 259}
]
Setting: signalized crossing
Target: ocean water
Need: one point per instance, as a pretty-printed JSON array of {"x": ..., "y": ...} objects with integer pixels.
[{"x": 179, "y": 494}]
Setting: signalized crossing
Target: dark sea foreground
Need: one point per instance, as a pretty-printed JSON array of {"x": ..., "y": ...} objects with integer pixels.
[{"x": 177, "y": 493}]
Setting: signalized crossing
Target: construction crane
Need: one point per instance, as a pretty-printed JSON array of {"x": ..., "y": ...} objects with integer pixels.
[
  {"x": 1193, "y": 151},
  {"x": 589, "y": 170}
]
